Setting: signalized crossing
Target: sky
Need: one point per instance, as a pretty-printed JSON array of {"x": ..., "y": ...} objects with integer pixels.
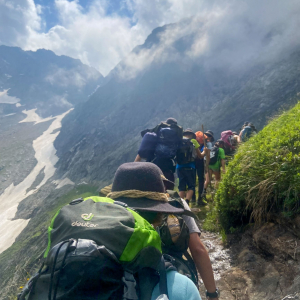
[{"x": 103, "y": 32}]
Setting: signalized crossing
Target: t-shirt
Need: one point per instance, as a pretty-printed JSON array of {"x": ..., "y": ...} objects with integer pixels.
[
  {"x": 217, "y": 165},
  {"x": 190, "y": 222},
  {"x": 209, "y": 147},
  {"x": 180, "y": 287}
]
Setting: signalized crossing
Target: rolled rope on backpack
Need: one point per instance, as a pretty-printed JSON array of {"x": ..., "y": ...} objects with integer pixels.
[{"x": 139, "y": 194}]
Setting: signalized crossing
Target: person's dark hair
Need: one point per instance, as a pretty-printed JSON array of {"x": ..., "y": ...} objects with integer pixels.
[
  {"x": 220, "y": 143},
  {"x": 150, "y": 216}
]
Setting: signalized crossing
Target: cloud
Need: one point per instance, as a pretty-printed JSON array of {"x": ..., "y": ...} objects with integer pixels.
[
  {"x": 223, "y": 33},
  {"x": 97, "y": 39},
  {"x": 77, "y": 77},
  {"x": 231, "y": 36},
  {"x": 18, "y": 19}
]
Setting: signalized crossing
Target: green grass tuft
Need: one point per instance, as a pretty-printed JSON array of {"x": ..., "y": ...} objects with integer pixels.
[{"x": 264, "y": 176}]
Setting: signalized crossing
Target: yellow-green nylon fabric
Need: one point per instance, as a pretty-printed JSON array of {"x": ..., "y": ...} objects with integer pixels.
[
  {"x": 144, "y": 236},
  {"x": 49, "y": 234},
  {"x": 99, "y": 199}
]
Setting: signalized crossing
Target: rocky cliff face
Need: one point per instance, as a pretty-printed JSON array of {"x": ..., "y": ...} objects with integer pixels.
[
  {"x": 103, "y": 132},
  {"x": 43, "y": 80}
]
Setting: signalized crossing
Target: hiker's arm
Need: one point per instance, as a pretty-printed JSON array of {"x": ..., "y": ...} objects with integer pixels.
[
  {"x": 199, "y": 154},
  {"x": 138, "y": 158},
  {"x": 202, "y": 262},
  {"x": 223, "y": 165},
  {"x": 202, "y": 154}
]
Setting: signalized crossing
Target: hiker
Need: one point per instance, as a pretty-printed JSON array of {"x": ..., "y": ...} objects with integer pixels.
[
  {"x": 99, "y": 248},
  {"x": 209, "y": 140},
  {"x": 200, "y": 168},
  {"x": 236, "y": 139},
  {"x": 229, "y": 142},
  {"x": 159, "y": 145},
  {"x": 186, "y": 167},
  {"x": 217, "y": 161},
  {"x": 247, "y": 132},
  {"x": 141, "y": 187}
]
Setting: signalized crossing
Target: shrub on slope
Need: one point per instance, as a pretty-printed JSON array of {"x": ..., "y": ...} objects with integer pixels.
[{"x": 264, "y": 176}]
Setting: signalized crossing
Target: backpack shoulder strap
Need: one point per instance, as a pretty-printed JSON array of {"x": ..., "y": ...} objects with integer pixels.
[{"x": 163, "y": 287}]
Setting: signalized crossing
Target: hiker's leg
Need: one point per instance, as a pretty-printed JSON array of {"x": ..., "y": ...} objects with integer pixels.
[
  {"x": 189, "y": 194},
  {"x": 182, "y": 182},
  {"x": 191, "y": 182},
  {"x": 200, "y": 173},
  {"x": 207, "y": 179},
  {"x": 170, "y": 176},
  {"x": 194, "y": 191},
  {"x": 217, "y": 177}
]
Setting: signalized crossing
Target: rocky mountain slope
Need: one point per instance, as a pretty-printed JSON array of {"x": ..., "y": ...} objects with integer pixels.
[
  {"x": 160, "y": 79},
  {"x": 52, "y": 84},
  {"x": 37, "y": 89}
]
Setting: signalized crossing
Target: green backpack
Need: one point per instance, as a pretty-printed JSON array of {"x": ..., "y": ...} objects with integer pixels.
[{"x": 98, "y": 248}]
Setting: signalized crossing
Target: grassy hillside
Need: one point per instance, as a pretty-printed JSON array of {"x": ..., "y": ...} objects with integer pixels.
[{"x": 263, "y": 179}]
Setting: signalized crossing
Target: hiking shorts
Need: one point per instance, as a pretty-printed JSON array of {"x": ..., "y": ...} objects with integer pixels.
[{"x": 187, "y": 179}]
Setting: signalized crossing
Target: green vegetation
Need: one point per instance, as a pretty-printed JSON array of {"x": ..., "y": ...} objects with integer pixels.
[{"x": 263, "y": 178}]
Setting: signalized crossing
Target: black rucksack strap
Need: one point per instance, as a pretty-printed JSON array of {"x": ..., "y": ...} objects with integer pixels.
[
  {"x": 129, "y": 286},
  {"x": 163, "y": 287},
  {"x": 192, "y": 266}
]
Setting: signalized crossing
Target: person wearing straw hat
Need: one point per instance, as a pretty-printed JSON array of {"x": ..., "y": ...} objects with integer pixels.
[{"x": 140, "y": 185}]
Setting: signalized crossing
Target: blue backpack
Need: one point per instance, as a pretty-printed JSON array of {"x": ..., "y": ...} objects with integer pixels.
[
  {"x": 167, "y": 144},
  {"x": 246, "y": 133},
  {"x": 148, "y": 145}
]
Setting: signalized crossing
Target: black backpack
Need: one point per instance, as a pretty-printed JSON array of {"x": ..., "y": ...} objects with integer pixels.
[
  {"x": 178, "y": 129},
  {"x": 214, "y": 155},
  {"x": 93, "y": 254},
  {"x": 167, "y": 143},
  {"x": 185, "y": 152}
]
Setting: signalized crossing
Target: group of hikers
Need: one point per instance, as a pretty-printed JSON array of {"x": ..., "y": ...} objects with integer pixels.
[
  {"x": 137, "y": 242},
  {"x": 190, "y": 154}
]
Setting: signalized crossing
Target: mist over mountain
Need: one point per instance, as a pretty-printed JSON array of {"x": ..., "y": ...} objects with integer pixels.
[
  {"x": 180, "y": 71},
  {"x": 52, "y": 84}
]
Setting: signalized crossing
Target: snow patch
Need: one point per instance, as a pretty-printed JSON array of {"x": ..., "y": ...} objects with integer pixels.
[
  {"x": 32, "y": 116},
  {"x": 45, "y": 154},
  {"x": 4, "y": 98},
  {"x": 62, "y": 182}
]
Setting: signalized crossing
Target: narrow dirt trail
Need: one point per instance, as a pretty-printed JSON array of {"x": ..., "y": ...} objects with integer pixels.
[{"x": 259, "y": 263}]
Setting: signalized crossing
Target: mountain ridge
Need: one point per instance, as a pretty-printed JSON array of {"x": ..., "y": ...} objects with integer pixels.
[{"x": 43, "y": 80}]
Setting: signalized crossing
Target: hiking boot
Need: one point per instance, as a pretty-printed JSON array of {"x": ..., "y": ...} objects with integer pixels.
[
  {"x": 201, "y": 202},
  {"x": 193, "y": 198},
  {"x": 203, "y": 195}
]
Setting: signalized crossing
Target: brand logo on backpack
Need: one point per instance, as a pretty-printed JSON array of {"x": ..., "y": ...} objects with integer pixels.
[{"x": 87, "y": 217}]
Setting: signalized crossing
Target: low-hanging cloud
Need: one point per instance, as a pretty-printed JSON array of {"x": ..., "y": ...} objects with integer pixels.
[
  {"x": 77, "y": 77},
  {"x": 231, "y": 35},
  {"x": 223, "y": 33}
]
